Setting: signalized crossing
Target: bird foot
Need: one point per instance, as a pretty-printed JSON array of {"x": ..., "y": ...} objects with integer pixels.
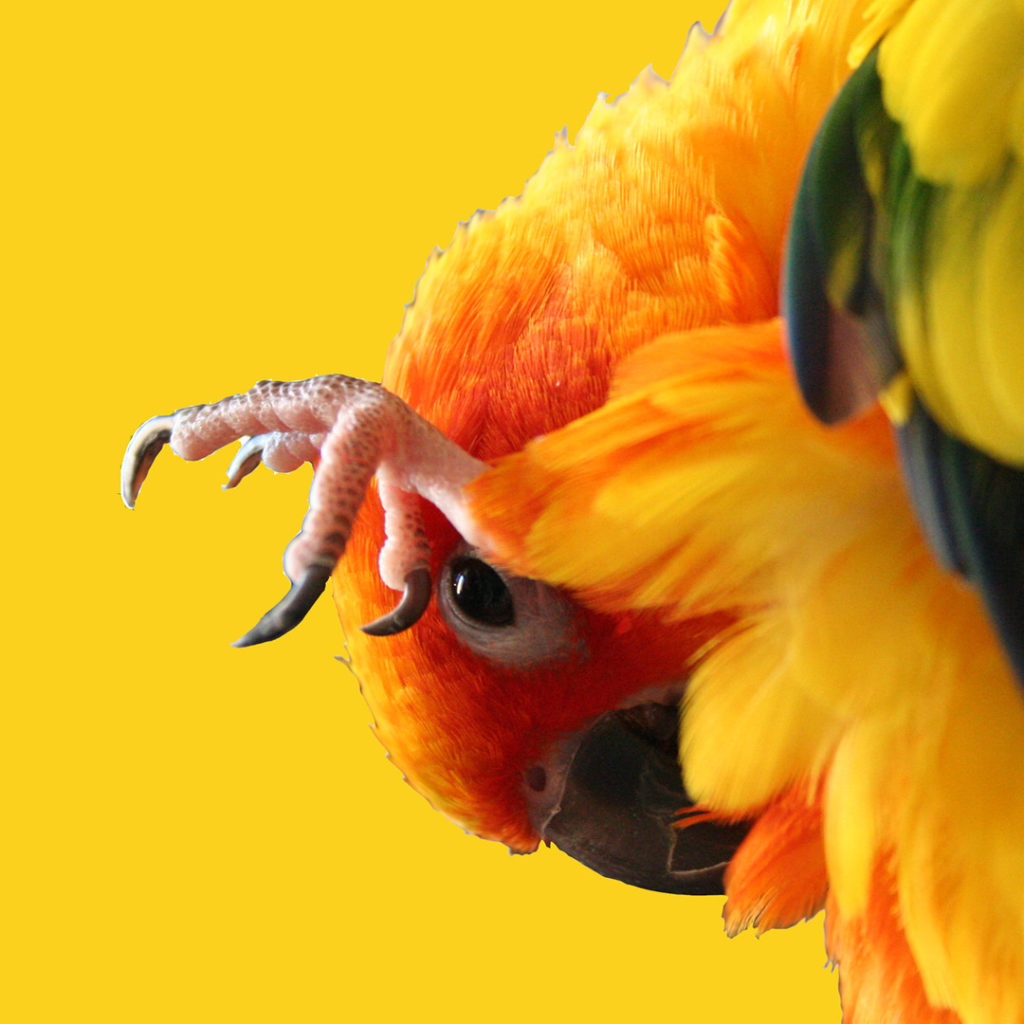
[{"x": 356, "y": 429}]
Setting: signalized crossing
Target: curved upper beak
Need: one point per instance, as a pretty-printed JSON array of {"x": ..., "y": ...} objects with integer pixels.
[{"x": 620, "y": 805}]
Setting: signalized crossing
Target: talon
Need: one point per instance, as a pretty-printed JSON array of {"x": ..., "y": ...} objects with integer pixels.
[
  {"x": 415, "y": 598},
  {"x": 350, "y": 430},
  {"x": 291, "y": 609},
  {"x": 142, "y": 449},
  {"x": 246, "y": 459}
]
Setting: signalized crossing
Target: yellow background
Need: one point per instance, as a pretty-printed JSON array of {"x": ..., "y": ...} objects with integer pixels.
[{"x": 203, "y": 195}]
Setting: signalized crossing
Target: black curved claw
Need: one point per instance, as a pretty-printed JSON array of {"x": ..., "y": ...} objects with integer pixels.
[
  {"x": 246, "y": 459},
  {"x": 415, "y": 598},
  {"x": 143, "y": 448},
  {"x": 291, "y": 609}
]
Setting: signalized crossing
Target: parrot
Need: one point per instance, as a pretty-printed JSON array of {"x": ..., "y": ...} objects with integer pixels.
[{"x": 706, "y": 548}]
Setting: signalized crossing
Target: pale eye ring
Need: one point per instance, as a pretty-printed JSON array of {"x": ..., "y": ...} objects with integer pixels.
[{"x": 506, "y": 619}]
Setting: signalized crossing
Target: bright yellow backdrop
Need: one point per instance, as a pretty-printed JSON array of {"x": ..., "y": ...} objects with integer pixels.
[{"x": 204, "y": 194}]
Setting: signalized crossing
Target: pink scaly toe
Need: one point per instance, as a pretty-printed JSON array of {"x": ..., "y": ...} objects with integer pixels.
[{"x": 358, "y": 430}]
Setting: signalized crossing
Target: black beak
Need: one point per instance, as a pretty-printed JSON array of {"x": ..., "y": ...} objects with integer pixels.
[{"x": 623, "y": 795}]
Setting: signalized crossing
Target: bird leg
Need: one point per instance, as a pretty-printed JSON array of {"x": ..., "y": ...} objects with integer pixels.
[{"x": 356, "y": 429}]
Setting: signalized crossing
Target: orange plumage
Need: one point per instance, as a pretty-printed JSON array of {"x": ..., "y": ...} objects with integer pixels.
[
  {"x": 857, "y": 671},
  {"x": 610, "y": 341},
  {"x": 668, "y": 213}
]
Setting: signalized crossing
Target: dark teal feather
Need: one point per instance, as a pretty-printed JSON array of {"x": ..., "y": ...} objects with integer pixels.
[
  {"x": 860, "y": 235},
  {"x": 839, "y": 338}
]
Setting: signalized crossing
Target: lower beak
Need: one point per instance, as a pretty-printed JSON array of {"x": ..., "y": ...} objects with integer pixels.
[{"x": 620, "y": 808}]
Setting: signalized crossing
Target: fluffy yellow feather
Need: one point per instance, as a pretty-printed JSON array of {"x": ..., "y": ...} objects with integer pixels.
[
  {"x": 953, "y": 79},
  {"x": 859, "y": 670}
]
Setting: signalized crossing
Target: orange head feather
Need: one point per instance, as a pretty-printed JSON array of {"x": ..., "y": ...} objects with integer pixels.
[{"x": 664, "y": 216}]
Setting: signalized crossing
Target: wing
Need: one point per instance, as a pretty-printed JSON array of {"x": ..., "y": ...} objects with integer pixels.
[{"x": 905, "y": 277}]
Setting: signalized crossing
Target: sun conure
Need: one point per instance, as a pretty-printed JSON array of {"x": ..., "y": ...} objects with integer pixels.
[{"x": 651, "y": 608}]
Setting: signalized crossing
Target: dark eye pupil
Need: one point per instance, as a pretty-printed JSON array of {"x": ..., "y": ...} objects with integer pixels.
[{"x": 480, "y": 593}]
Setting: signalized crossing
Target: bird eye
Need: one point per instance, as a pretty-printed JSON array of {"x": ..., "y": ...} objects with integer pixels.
[
  {"x": 479, "y": 593},
  {"x": 506, "y": 619}
]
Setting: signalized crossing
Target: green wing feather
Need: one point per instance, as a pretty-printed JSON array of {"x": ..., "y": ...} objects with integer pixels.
[{"x": 905, "y": 278}]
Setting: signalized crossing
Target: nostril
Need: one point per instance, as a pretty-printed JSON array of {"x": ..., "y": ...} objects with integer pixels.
[{"x": 537, "y": 778}]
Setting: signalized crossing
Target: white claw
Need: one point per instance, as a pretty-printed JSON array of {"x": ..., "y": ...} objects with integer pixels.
[
  {"x": 142, "y": 449},
  {"x": 246, "y": 459}
]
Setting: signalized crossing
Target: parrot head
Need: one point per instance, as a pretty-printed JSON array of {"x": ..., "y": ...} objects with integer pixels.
[
  {"x": 518, "y": 712},
  {"x": 524, "y": 716},
  {"x": 516, "y": 709}
]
